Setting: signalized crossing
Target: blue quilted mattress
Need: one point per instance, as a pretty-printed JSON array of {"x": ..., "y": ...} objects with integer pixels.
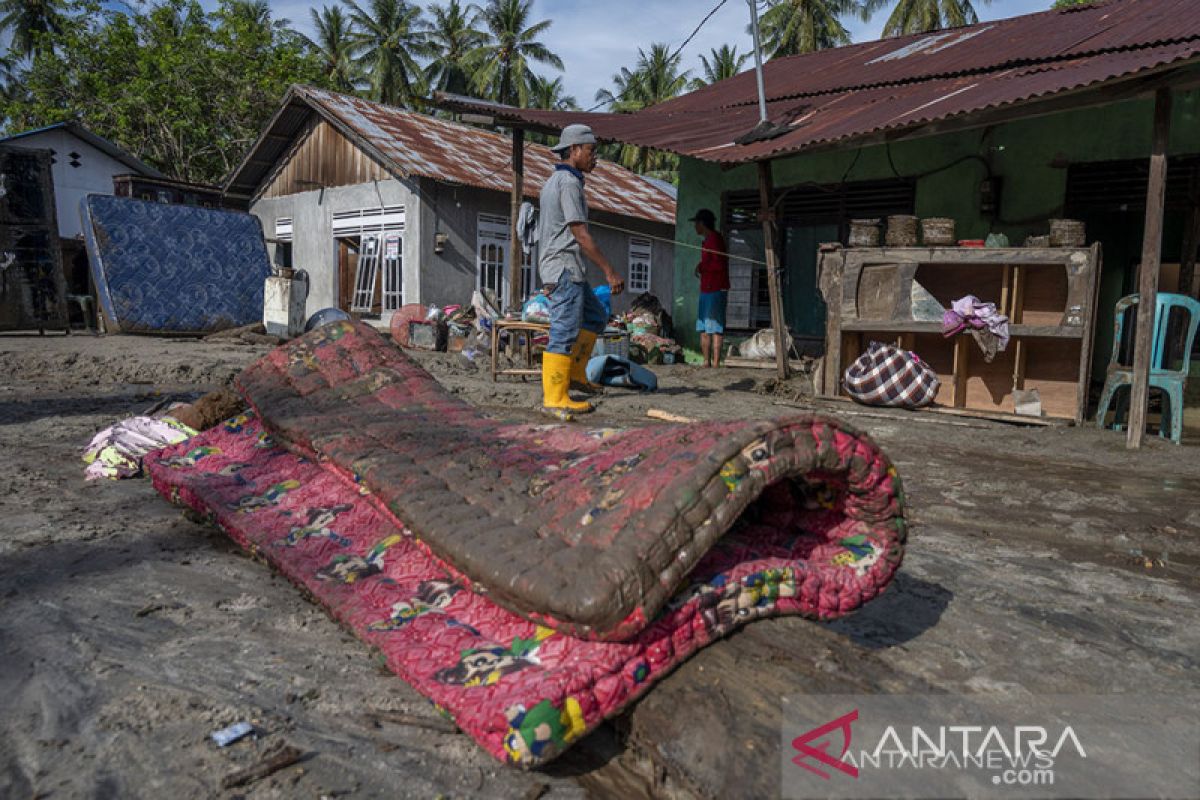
[{"x": 174, "y": 269}]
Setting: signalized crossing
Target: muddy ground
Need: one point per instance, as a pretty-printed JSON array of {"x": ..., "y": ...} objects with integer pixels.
[{"x": 1041, "y": 560}]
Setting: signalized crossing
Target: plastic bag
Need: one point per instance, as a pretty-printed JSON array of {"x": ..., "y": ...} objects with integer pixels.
[
  {"x": 536, "y": 309},
  {"x": 761, "y": 345}
]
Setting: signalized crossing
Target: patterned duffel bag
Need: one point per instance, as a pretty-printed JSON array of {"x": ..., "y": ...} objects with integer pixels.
[{"x": 888, "y": 376}]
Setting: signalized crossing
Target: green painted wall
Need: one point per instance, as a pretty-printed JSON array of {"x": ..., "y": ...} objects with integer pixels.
[{"x": 1021, "y": 153}]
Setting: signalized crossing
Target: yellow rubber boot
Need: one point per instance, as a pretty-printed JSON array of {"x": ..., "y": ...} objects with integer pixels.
[
  {"x": 580, "y": 355},
  {"x": 556, "y": 377}
]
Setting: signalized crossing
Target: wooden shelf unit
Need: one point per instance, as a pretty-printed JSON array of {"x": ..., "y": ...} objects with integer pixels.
[{"x": 891, "y": 294}]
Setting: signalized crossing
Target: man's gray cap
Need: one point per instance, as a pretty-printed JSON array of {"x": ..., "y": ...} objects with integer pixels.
[{"x": 574, "y": 134}]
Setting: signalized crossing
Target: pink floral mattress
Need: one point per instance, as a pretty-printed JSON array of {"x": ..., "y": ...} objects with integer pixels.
[{"x": 817, "y": 530}]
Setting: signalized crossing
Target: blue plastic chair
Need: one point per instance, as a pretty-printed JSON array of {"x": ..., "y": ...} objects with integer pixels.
[{"x": 1170, "y": 381}]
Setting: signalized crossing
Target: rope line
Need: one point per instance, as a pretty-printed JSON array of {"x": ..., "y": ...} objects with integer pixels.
[{"x": 677, "y": 243}]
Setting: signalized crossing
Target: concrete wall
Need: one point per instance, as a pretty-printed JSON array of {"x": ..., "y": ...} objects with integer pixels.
[
  {"x": 431, "y": 208},
  {"x": 313, "y": 246},
  {"x": 1027, "y": 155},
  {"x": 451, "y": 276},
  {"x": 71, "y": 184}
]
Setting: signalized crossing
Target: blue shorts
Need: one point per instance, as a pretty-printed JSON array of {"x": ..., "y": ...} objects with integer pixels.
[{"x": 711, "y": 318}]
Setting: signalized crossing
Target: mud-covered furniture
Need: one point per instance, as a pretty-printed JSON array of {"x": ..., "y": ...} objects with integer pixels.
[
  {"x": 32, "y": 286},
  {"x": 518, "y": 337},
  {"x": 898, "y": 295}
]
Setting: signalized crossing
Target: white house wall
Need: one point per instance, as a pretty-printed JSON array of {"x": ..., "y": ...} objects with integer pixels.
[
  {"x": 94, "y": 175},
  {"x": 313, "y": 246},
  {"x": 431, "y": 208}
]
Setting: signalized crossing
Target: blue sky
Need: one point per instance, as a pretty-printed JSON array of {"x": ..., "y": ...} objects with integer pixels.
[{"x": 595, "y": 39}]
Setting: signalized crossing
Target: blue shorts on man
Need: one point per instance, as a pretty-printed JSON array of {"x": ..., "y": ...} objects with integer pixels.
[{"x": 711, "y": 316}]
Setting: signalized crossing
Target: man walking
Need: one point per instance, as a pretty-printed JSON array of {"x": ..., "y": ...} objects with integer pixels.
[
  {"x": 713, "y": 271},
  {"x": 576, "y": 316}
]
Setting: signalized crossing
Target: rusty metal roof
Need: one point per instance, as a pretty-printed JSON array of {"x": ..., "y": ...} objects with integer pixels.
[
  {"x": 409, "y": 144},
  {"x": 870, "y": 90}
]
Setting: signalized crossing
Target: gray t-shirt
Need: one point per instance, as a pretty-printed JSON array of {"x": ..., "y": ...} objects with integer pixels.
[{"x": 562, "y": 203}]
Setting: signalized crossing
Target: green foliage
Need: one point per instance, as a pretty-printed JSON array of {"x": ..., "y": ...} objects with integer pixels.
[
  {"x": 389, "y": 37},
  {"x": 655, "y": 78},
  {"x": 453, "y": 34},
  {"x": 725, "y": 63},
  {"x": 923, "y": 16},
  {"x": 186, "y": 91},
  {"x": 334, "y": 45},
  {"x": 790, "y": 27},
  {"x": 503, "y": 65},
  {"x": 31, "y": 22},
  {"x": 1061, "y": 4}
]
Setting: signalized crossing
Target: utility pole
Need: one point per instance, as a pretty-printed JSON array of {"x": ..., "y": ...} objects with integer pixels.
[
  {"x": 758, "y": 73},
  {"x": 767, "y": 214}
]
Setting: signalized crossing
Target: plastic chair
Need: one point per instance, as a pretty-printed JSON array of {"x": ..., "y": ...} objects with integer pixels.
[{"x": 1170, "y": 381}]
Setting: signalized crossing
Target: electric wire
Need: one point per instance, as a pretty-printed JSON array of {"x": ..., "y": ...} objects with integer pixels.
[{"x": 674, "y": 55}]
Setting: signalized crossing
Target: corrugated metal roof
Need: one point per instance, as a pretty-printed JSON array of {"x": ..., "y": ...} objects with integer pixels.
[
  {"x": 872, "y": 88},
  {"x": 410, "y": 144}
]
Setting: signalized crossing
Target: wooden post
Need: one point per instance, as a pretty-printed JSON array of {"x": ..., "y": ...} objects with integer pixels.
[
  {"x": 515, "y": 252},
  {"x": 767, "y": 214},
  {"x": 1148, "y": 274}
]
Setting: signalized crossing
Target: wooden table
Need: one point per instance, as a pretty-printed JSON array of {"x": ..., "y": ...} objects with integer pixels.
[{"x": 517, "y": 331}]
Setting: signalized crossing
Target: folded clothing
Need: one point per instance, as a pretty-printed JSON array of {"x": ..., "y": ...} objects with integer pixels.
[
  {"x": 982, "y": 320},
  {"x": 117, "y": 451}
]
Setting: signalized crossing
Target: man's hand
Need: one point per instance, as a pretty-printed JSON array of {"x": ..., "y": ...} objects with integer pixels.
[
  {"x": 616, "y": 283},
  {"x": 588, "y": 245}
]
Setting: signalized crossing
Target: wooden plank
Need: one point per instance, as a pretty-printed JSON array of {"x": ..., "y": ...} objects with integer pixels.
[
  {"x": 947, "y": 411},
  {"x": 768, "y": 224},
  {"x": 1017, "y": 315},
  {"x": 1148, "y": 273},
  {"x": 961, "y": 361},
  {"x": 1030, "y": 331},
  {"x": 829, "y": 282},
  {"x": 756, "y": 363},
  {"x": 515, "y": 253},
  {"x": 1091, "y": 302}
]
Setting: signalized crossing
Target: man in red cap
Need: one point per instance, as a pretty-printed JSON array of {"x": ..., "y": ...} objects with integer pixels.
[{"x": 713, "y": 271}]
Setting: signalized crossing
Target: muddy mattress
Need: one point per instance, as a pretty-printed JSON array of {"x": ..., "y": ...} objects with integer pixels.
[{"x": 531, "y": 580}]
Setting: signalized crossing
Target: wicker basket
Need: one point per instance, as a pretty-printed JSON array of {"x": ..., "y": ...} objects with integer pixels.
[
  {"x": 1067, "y": 233},
  {"x": 901, "y": 231},
  {"x": 864, "y": 232},
  {"x": 937, "y": 232}
]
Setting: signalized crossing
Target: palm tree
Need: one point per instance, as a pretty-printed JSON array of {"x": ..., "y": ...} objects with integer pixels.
[
  {"x": 922, "y": 16},
  {"x": 546, "y": 93},
  {"x": 452, "y": 36},
  {"x": 27, "y": 20},
  {"x": 655, "y": 78},
  {"x": 334, "y": 45},
  {"x": 502, "y": 65},
  {"x": 726, "y": 62},
  {"x": 389, "y": 38},
  {"x": 802, "y": 26}
]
